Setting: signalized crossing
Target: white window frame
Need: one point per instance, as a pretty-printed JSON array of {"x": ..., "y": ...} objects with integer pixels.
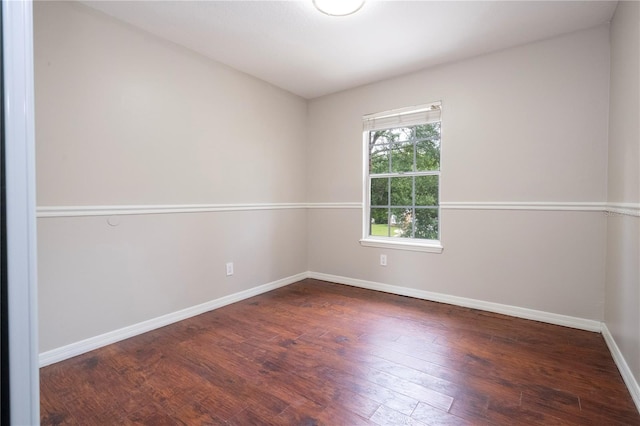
[{"x": 415, "y": 115}]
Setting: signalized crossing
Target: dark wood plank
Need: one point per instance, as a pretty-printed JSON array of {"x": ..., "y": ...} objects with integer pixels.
[{"x": 316, "y": 353}]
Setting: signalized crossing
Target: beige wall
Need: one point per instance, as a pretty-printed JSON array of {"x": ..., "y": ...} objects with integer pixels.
[
  {"x": 123, "y": 118},
  {"x": 525, "y": 124},
  {"x": 622, "y": 298},
  {"x": 95, "y": 278}
]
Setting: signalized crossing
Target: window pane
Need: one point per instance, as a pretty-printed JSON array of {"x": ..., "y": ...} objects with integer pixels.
[
  {"x": 403, "y": 134},
  {"x": 402, "y": 157},
  {"x": 379, "y": 155},
  {"x": 427, "y": 224},
  {"x": 380, "y": 137},
  {"x": 428, "y": 147},
  {"x": 400, "y": 223},
  {"x": 426, "y": 190},
  {"x": 379, "y": 151},
  {"x": 401, "y": 190},
  {"x": 380, "y": 191},
  {"x": 379, "y": 222}
]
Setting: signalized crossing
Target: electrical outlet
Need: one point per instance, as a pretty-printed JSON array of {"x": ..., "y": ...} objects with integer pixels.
[
  {"x": 383, "y": 260},
  {"x": 229, "y": 268}
]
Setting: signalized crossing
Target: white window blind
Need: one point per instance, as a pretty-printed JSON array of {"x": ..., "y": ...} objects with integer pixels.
[{"x": 412, "y": 116}]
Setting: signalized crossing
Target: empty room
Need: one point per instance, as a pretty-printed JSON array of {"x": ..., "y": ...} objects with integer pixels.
[{"x": 269, "y": 212}]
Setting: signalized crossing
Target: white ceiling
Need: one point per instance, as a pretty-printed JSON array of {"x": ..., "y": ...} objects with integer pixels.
[{"x": 293, "y": 46}]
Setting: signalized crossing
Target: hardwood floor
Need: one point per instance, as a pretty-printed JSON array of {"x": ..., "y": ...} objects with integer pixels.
[{"x": 318, "y": 353}]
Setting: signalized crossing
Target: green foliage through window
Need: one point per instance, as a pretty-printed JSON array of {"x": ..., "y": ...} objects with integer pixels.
[{"x": 404, "y": 179}]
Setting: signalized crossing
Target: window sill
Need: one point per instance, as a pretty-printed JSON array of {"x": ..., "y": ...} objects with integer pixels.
[{"x": 428, "y": 247}]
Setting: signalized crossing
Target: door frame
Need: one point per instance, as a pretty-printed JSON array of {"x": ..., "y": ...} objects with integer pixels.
[{"x": 19, "y": 139}]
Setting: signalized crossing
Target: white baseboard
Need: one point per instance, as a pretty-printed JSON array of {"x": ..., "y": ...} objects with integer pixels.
[
  {"x": 514, "y": 311},
  {"x": 625, "y": 371},
  {"x": 83, "y": 346}
]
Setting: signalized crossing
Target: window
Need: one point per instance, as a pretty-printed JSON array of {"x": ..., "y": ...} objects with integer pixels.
[{"x": 402, "y": 178}]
